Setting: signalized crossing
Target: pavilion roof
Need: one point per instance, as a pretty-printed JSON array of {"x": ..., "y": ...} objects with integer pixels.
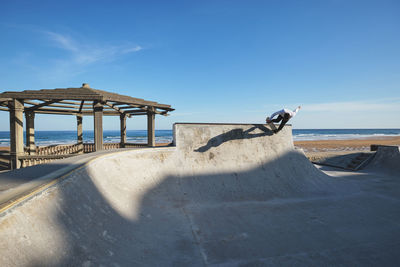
[{"x": 80, "y": 101}]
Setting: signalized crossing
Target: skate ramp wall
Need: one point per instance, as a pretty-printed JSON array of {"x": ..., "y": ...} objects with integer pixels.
[
  {"x": 167, "y": 206},
  {"x": 386, "y": 160}
]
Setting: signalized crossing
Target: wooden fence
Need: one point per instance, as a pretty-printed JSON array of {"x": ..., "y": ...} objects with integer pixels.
[{"x": 45, "y": 154}]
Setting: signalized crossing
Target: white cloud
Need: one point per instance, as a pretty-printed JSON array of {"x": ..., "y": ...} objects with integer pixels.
[
  {"x": 62, "y": 41},
  {"x": 79, "y": 55},
  {"x": 355, "y": 106},
  {"x": 377, "y": 113},
  {"x": 132, "y": 49},
  {"x": 85, "y": 53}
]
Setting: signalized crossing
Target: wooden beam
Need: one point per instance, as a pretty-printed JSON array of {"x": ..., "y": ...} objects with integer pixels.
[
  {"x": 151, "y": 104},
  {"x": 16, "y": 132},
  {"x": 66, "y": 95},
  {"x": 44, "y": 110},
  {"x": 81, "y": 106},
  {"x": 72, "y": 111},
  {"x": 107, "y": 96},
  {"x": 98, "y": 125},
  {"x": 69, "y": 97},
  {"x": 133, "y": 112},
  {"x": 117, "y": 109},
  {"x": 79, "y": 129},
  {"x": 68, "y": 107},
  {"x": 162, "y": 106},
  {"x": 151, "y": 139},
  {"x": 164, "y": 113},
  {"x": 64, "y": 106},
  {"x": 30, "y": 132},
  {"x": 76, "y": 103},
  {"x": 123, "y": 129},
  {"x": 139, "y": 114},
  {"x": 131, "y": 106},
  {"x": 83, "y": 113},
  {"x": 55, "y": 113},
  {"x": 46, "y": 103}
]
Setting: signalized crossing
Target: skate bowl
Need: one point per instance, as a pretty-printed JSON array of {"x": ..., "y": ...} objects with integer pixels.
[
  {"x": 223, "y": 195},
  {"x": 386, "y": 160}
]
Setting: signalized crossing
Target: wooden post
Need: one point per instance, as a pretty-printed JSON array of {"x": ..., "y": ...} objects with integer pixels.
[
  {"x": 30, "y": 132},
  {"x": 79, "y": 120},
  {"x": 16, "y": 107},
  {"x": 122, "y": 118},
  {"x": 98, "y": 125},
  {"x": 151, "y": 139}
]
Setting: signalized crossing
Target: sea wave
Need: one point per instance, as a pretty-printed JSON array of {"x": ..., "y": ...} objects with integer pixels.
[{"x": 312, "y": 137}]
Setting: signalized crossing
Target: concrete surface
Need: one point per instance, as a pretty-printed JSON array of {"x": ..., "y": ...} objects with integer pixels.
[
  {"x": 387, "y": 160},
  {"x": 21, "y": 182},
  {"x": 226, "y": 195},
  {"x": 349, "y": 161}
]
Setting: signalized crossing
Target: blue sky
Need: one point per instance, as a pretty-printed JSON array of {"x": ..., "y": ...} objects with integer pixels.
[{"x": 213, "y": 61}]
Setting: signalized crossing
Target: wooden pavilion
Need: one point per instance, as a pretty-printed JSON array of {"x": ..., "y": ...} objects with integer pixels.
[{"x": 79, "y": 102}]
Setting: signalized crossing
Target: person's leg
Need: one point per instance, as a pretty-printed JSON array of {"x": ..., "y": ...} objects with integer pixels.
[
  {"x": 286, "y": 118},
  {"x": 278, "y": 119}
]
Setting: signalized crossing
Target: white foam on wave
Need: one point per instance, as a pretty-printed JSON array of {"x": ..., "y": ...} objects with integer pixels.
[{"x": 312, "y": 137}]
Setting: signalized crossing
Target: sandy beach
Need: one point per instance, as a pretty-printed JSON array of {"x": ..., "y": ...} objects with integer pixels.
[
  {"x": 319, "y": 149},
  {"x": 345, "y": 145}
]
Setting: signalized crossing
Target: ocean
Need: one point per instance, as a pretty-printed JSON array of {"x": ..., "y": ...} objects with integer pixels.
[
  {"x": 44, "y": 138},
  {"x": 342, "y": 134}
]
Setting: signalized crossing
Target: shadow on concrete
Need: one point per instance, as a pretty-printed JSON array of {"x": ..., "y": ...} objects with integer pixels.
[
  {"x": 350, "y": 161},
  {"x": 4, "y": 164},
  {"x": 282, "y": 212},
  {"x": 13, "y": 178},
  {"x": 273, "y": 214},
  {"x": 10, "y": 179},
  {"x": 235, "y": 134}
]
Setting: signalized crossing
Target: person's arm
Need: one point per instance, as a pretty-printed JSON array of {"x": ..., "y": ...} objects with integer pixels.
[{"x": 296, "y": 110}]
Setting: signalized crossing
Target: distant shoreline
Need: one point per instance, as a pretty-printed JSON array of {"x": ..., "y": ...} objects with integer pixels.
[{"x": 362, "y": 144}]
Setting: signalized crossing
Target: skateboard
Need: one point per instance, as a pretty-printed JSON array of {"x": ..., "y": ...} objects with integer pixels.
[{"x": 272, "y": 125}]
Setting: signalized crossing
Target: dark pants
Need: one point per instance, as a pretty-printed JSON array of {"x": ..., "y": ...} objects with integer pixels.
[{"x": 284, "y": 120}]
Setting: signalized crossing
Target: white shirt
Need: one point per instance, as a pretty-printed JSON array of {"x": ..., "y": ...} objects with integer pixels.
[{"x": 282, "y": 112}]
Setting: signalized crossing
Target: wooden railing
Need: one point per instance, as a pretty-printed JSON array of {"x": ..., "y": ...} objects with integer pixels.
[
  {"x": 89, "y": 147},
  {"x": 132, "y": 145},
  {"x": 76, "y": 148},
  {"x": 45, "y": 154},
  {"x": 31, "y": 160},
  {"x": 59, "y": 149}
]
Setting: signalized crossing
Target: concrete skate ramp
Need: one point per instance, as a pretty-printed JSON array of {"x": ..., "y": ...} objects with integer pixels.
[
  {"x": 226, "y": 195},
  {"x": 386, "y": 160}
]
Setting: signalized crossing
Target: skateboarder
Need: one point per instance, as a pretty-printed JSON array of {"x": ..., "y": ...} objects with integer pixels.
[{"x": 284, "y": 115}]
